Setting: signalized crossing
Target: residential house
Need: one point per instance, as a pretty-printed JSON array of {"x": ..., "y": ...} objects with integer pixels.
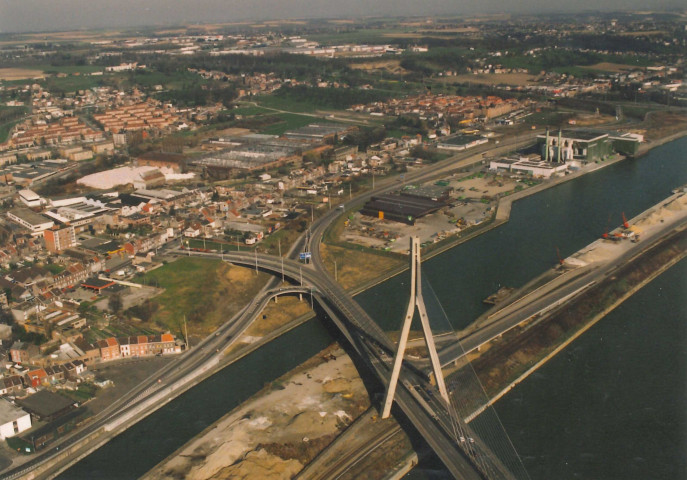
[
  {"x": 11, "y": 384},
  {"x": 37, "y": 377},
  {"x": 109, "y": 349},
  {"x": 23, "y": 352}
]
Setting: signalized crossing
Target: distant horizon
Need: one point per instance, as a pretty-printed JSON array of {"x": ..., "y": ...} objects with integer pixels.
[{"x": 36, "y": 16}]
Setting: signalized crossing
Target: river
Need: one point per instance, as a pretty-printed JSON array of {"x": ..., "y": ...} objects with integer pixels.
[{"x": 568, "y": 216}]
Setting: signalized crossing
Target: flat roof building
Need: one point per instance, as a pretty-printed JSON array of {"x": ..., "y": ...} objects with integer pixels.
[
  {"x": 30, "y": 198},
  {"x": 46, "y": 405},
  {"x": 13, "y": 420},
  {"x": 400, "y": 208},
  {"x": 29, "y": 219},
  {"x": 250, "y": 156},
  {"x": 533, "y": 166}
]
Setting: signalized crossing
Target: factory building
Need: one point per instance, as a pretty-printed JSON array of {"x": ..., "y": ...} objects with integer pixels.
[
  {"x": 400, "y": 208},
  {"x": 585, "y": 145}
]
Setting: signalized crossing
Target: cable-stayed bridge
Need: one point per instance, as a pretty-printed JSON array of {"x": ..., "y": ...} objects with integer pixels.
[{"x": 476, "y": 450}]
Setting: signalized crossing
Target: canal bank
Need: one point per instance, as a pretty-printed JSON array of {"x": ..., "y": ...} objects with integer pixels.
[
  {"x": 660, "y": 269},
  {"x": 611, "y": 406},
  {"x": 391, "y": 320}
]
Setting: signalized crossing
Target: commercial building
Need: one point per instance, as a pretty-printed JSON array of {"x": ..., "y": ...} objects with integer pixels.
[
  {"x": 30, "y": 198},
  {"x": 34, "y": 222},
  {"x": 150, "y": 179},
  {"x": 400, "y": 208},
  {"x": 97, "y": 285},
  {"x": 77, "y": 211},
  {"x": 249, "y": 156},
  {"x": 461, "y": 142},
  {"x": 528, "y": 165},
  {"x": 438, "y": 193},
  {"x": 46, "y": 405}
]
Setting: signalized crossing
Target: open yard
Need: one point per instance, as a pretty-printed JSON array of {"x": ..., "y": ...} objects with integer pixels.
[
  {"x": 354, "y": 267},
  {"x": 204, "y": 291},
  {"x": 392, "y": 66}
]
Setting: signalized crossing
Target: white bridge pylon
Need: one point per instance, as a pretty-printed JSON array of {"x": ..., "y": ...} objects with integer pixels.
[{"x": 415, "y": 300}]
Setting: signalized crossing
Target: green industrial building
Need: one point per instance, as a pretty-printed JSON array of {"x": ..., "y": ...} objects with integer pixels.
[{"x": 585, "y": 145}]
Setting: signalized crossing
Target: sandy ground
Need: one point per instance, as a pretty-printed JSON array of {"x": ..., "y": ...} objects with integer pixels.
[
  {"x": 19, "y": 73},
  {"x": 610, "y": 67},
  {"x": 393, "y": 66},
  {"x": 643, "y": 225},
  {"x": 124, "y": 175},
  {"x": 302, "y": 410}
]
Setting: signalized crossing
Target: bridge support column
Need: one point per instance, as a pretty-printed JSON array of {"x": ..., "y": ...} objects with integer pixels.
[{"x": 415, "y": 300}]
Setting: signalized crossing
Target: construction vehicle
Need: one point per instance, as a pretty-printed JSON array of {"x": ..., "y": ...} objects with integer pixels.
[
  {"x": 558, "y": 254},
  {"x": 625, "y": 224}
]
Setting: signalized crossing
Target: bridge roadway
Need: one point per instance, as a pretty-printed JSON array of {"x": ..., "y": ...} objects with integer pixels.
[{"x": 434, "y": 420}]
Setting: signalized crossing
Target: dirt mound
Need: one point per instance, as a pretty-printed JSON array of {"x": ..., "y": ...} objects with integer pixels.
[{"x": 260, "y": 464}]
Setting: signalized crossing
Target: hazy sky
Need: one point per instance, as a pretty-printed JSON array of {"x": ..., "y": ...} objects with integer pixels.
[{"x": 38, "y": 15}]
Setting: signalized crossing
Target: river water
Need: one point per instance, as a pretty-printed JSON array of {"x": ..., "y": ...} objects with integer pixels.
[{"x": 569, "y": 217}]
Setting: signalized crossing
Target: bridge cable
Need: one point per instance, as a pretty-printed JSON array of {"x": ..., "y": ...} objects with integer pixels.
[{"x": 469, "y": 396}]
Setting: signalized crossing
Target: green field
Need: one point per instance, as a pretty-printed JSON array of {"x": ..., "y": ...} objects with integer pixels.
[
  {"x": 548, "y": 118},
  {"x": 212, "y": 245},
  {"x": 279, "y": 103},
  {"x": 205, "y": 292},
  {"x": 172, "y": 81},
  {"x": 69, "y": 69},
  {"x": 290, "y": 121},
  {"x": 9, "y": 117},
  {"x": 72, "y": 83},
  {"x": 5, "y": 129}
]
